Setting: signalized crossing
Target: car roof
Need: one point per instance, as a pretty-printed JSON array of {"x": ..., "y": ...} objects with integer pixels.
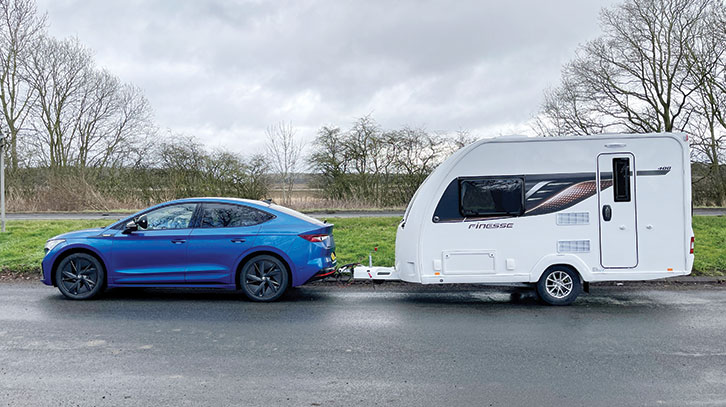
[{"x": 221, "y": 199}]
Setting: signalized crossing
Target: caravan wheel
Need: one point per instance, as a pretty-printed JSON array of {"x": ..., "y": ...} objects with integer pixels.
[{"x": 559, "y": 285}]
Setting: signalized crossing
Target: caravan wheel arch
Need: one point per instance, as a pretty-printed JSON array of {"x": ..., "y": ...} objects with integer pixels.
[{"x": 559, "y": 259}]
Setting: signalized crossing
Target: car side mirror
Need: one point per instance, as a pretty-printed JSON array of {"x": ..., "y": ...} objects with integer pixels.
[
  {"x": 141, "y": 222},
  {"x": 131, "y": 226}
]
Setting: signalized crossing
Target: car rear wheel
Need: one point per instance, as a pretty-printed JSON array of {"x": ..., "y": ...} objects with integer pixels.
[
  {"x": 559, "y": 285},
  {"x": 80, "y": 276},
  {"x": 264, "y": 278}
]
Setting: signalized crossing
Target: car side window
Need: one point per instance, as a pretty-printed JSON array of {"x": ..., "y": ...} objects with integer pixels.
[
  {"x": 218, "y": 215},
  {"x": 177, "y": 216}
]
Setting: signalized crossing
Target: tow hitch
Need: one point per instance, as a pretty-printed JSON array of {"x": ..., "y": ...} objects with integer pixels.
[{"x": 356, "y": 271}]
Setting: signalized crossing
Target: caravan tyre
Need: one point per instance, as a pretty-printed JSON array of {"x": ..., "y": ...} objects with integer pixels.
[{"x": 559, "y": 285}]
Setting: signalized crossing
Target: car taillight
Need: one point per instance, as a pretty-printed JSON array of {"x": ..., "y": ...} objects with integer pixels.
[
  {"x": 315, "y": 238},
  {"x": 693, "y": 243}
]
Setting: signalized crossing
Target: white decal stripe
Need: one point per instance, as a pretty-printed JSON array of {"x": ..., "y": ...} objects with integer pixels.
[{"x": 536, "y": 188}]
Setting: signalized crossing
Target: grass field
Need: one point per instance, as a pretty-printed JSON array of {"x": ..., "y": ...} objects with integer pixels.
[
  {"x": 710, "y": 248},
  {"x": 21, "y": 249}
]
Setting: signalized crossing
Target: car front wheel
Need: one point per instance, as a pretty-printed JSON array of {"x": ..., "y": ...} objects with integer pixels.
[
  {"x": 264, "y": 278},
  {"x": 80, "y": 276}
]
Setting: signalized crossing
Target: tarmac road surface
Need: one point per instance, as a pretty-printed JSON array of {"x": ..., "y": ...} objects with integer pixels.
[{"x": 330, "y": 345}]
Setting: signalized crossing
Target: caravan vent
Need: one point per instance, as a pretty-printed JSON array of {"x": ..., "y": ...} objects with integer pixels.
[
  {"x": 573, "y": 246},
  {"x": 573, "y": 218}
]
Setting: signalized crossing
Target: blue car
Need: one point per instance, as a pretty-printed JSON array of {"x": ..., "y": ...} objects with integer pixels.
[{"x": 258, "y": 247}]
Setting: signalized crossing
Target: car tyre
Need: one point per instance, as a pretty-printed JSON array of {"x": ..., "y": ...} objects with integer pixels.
[
  {"x": 264, "y": 278},
  {"x": 559, "y": 285},
  {"x": 80, "y": 276}
]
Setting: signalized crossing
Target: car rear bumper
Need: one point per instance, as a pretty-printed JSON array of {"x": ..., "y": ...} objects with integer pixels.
[{"x": 322, "y": 274}]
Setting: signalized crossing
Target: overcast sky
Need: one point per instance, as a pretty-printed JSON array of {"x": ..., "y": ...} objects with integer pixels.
[{"x": 224, "y": 70}]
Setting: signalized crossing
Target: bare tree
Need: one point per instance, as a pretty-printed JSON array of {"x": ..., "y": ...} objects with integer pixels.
[
  {"x": 637, "y": 76},
  {"x": 367, "y": 164},
  {"x": 328, "y": 159},
  {"x": 20, "y": 26},
  {"x": 462, "y": 139},
  {"x": 84, "y": 117},
  {"x": 97, "y": 105},
  {"x": 707, "y": 126},
  {"x": 111, "y": 120},
  {"x": 283, "y": 151},
  {"x": 566, "y": 111},
  {"x": 59, "y": 72}
]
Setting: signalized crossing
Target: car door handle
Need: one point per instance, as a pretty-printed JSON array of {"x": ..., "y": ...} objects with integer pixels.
[
  {"x": 238, "y": 240},
  {"x": 178, "y": 241}
]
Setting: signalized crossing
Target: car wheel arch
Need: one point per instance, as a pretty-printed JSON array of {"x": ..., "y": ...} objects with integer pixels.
[{"x": 76, "y": 250}]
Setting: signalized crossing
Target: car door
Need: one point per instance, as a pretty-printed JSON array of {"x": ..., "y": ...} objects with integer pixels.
[
  {"x": 158, "y": 253},
  {"x": 223, "y": 234}
]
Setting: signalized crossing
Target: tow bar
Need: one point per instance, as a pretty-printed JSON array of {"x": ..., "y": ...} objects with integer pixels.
[{"x": 356, "y": 271}]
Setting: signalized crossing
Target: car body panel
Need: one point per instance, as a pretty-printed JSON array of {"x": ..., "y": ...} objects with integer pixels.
[
  {"x": 213, "y": 253},
  {"x": 150, "y": 256}
]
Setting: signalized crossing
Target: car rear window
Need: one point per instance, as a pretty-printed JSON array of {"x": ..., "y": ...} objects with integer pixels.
[{"x": 288, "y": 211}]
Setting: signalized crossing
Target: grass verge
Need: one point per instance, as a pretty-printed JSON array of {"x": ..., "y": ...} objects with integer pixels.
[
  {"x": 710, "y": 246},
  {"x": 21, "y": 248}
]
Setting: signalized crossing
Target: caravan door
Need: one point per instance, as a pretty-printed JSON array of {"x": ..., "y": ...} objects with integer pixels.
[{"x": 618, "y": 217}]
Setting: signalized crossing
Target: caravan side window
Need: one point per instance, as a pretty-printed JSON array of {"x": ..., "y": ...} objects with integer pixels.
[{"x": 491, "y": 196}]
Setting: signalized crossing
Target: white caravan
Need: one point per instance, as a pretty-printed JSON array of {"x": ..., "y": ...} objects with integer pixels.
[{"x": 556, "y": 213}]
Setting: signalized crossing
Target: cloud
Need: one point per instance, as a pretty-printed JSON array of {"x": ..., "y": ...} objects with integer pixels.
[{"x": 225, "y": 70}]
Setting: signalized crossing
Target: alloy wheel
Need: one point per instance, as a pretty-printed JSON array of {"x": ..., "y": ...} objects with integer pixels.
[
  {"x": 559, "y": 284},
  {"x": 79, "y": 276},
  {"x": 264, "y": 279}
]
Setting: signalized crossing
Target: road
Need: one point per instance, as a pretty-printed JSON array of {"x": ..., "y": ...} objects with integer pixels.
[
  {"x": 363, "y": 345},
  {"x": 321, "y": 215}
]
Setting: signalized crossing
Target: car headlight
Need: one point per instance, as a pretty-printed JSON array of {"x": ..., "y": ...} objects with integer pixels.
[{"x": 52, "y": 243}]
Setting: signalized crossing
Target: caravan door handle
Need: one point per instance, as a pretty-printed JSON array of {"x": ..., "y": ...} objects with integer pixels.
[{"x": 607, "y": 213}]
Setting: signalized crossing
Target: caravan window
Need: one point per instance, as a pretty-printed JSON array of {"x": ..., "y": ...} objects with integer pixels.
[
  {"x": 621, "y": 179},
  {"x": 491, "y": 196}
]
